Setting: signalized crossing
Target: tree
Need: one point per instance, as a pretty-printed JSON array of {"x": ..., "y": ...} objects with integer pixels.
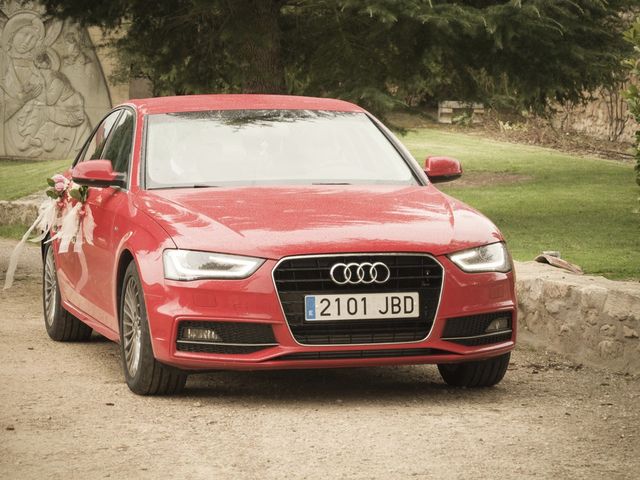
[
  {"x": 378, "y": 53},
  {"x": 633, "y": 93}
]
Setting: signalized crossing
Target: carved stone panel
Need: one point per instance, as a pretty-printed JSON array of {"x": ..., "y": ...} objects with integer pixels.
[{"x": 52, "y": 88}]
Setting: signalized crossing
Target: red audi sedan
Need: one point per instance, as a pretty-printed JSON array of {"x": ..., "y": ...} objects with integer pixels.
[{"x": 248, "y": 232}]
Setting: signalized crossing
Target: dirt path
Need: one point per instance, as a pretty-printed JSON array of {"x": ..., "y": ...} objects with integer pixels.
[{"x": 66, "y": 413}]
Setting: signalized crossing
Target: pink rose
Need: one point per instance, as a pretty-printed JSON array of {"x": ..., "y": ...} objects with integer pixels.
[
  {"x": 58, "y": 178},
  {"x": 59, "y": 187}
]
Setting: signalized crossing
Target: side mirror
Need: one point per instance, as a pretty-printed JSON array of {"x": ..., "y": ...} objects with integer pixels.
[
  {"x": 97, "y": 173},
  {"x": 442, "y": 169}
]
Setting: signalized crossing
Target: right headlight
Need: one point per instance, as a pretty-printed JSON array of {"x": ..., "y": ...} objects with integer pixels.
[
  {"x": 488, "y": 258},
  {"x": 192, "y": 265}
]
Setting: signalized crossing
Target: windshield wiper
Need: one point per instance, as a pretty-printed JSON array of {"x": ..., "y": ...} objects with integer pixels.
[
  {"x": 196, "y": 185},
  {"x": 331, "y": 183}
]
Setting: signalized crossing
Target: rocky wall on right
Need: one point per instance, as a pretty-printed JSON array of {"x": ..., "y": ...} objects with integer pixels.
[{"x": 590, "y": 319}]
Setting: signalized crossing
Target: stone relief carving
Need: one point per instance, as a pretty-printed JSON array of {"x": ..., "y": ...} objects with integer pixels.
[{"x": 52, "y": 89}]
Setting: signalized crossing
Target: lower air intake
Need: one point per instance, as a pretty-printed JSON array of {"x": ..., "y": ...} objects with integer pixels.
[
  {"x": 338, "y": 355},
  {"x": 474, "y": 330},
  {"x": 224, "y": 337}
]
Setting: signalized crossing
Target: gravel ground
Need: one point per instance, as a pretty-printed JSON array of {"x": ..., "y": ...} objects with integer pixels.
[{"x": 66, "y": 413}]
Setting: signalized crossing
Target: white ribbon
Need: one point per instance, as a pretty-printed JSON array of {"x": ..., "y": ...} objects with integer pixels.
[
  {"x": 71, "y": 229},
  {"x": 85, "y": 228},
  {"x": 46, "y": 220},
  {"x": 68, "y": 228}
]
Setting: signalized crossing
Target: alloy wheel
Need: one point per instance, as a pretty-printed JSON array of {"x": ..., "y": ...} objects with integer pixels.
[
  {"x": 50, "y": 288},
  {"x": 131, "y": 326}
]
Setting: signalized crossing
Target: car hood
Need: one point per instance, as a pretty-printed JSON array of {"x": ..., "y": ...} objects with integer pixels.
[{"x": 273, "y": 222}]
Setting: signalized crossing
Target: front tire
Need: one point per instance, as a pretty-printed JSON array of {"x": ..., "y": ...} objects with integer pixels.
[
  {"x": 143, "y": 373},
  {"x": 484, "y": 373},
  {"x": 60, "y": 324}
]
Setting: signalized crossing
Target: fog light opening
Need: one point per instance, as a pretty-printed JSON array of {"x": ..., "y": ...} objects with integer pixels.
[
  {"x": 195, "y": 334},
  {"x": 498, "y": 324}
]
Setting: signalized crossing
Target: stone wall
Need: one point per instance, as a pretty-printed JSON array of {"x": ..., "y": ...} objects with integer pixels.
[
  {"x": 606, "y": 117},
  {"x": 21, "y": 212},
  {"x": 591, "y": 319}
]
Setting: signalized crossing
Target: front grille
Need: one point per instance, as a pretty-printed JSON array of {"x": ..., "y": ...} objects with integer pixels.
[
  {"x": 234, "y": 337},
  {"x": 296, "y": 277},
  {"x": 471, "y": 330},
  {"x": 405, "y": 352}
]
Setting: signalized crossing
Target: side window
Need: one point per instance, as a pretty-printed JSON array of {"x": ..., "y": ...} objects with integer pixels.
[
  {"x": 93, "y": 150},
  {"x": 119, "y": 148}
]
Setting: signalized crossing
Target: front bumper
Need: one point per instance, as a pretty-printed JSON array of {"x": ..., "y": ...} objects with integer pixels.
[{"x": 255, "y": 300}]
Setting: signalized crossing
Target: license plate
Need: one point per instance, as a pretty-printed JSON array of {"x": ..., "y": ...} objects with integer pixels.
[{"x": 365, "y": 306}]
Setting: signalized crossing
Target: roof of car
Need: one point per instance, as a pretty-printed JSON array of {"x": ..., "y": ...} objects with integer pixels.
[{"x": 191, "y": 103}]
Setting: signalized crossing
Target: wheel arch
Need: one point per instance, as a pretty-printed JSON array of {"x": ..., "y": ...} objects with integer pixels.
[
  {"x": 43, "y": 246},
  {"x": 126, "y": 257}
]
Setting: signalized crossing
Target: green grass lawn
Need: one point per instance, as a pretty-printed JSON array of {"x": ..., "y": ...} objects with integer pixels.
[
  {"x": 582, "y": 207},
  {"x": 19, "y": 178},
  {"x": 13, "y": 231}
]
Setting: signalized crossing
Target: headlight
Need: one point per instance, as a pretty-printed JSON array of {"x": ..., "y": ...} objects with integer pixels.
[
  {"x": 191, "y": 265},
  {"x": 489, "y": 258}
]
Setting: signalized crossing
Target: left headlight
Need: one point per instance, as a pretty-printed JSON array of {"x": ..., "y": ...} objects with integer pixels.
[
  {"x": 488, "y": 258},
  {"x": 192, "y": 265}
]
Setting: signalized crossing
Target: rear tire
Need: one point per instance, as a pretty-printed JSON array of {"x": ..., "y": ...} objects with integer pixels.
[
  {"x": 484, "y": 373},
  {"x": 60, "y": 324},
  {"x": 143, "y": 373}
]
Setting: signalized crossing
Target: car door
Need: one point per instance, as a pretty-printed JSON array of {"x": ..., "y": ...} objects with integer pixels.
[
  {"x": 109, "y": 206},
  {"x": 74, "y": 276}
]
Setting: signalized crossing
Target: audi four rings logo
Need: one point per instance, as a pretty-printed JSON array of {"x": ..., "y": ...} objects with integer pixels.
[{"x": 355, "y": 273}]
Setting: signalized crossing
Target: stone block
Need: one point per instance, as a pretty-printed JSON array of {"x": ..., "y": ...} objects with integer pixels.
[
  {"x": 621, "y": 305},
  {"x": 608, "y": 330},
  {"x": 553, "y": 306},
  {"x": 629, "y": 332},
  {"x": 592, "y": 317},
  {"x": 555, "y": 289},
  {"x": 593, "y": 297},
  {"x": 609, "y": 349}
]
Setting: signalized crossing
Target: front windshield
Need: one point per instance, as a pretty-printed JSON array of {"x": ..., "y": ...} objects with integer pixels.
[{"x": 262, "y": 147}]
